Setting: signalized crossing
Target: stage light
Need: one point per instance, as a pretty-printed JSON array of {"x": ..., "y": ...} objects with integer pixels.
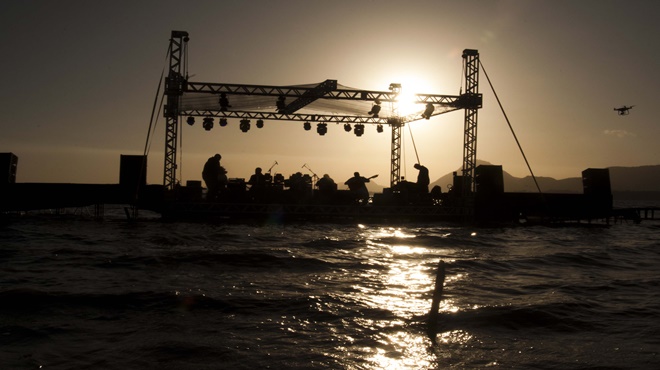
[
  {"x": 307, "y": 126},
  {"x": 223, "y": 122},
  {"x": 359, "y": 129},
  {"x": 190, "y": 121},
  {"x": 321, "y": 128},
  {"x": 428, "y": 111},
  {"x": 245, "y": 125},
  {"x": 375, "y": 109},
  {"x": 347, "y": 127},
  {"x": 260, "y": 123},
  {"x": 379, "y": 128},
  {"x": 207, "y": 123}
]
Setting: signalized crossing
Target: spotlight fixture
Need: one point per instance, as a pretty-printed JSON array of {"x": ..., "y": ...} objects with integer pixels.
[
  {"x": 379, "y": 128},
  {"x": 375, "y": 109},
  {"x": 245, "y": 125},
  {"x": 260, "y": 123},
  {"x": 347, "y": 127},
  {"x": 428, "y": 111},
  {"x": 359, "y": 129},
  {"x": 190, "y": 121},
  {"x": 207, "y": 123},
  {"x": 322, "y": 128},
  {"x": 307, "y": 126},
  {"x": 395, "y": 87},
  {"x": 223, "y": 122}
]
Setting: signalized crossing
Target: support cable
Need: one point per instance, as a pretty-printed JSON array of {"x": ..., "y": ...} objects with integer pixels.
[
  {"x": 403, "y": 156},
  {"x": 413, "y": 142},
  {"x": 160, "y": 109},
  {"x": 152, "y": 122},
  {"x": 511, "y": 128}
]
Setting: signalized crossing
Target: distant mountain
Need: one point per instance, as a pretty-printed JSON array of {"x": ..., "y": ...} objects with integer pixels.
[
  {"x": 643, "y": 178},
  {"x": 636, "y": 179},
  {"x": 623, "y": 180},
  {"x": 375, "y": 187}
]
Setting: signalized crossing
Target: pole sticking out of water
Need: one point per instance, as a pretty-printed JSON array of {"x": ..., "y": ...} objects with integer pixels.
[{"x": 437, "y": 297}]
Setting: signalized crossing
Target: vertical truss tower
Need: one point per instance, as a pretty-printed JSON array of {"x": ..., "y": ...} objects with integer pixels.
[
  {"x": 471, "y": 101},
  {"x": 174, "y": 83}
]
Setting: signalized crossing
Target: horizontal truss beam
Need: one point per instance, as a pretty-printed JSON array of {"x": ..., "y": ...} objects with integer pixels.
[
  {"x": 321, "y": 118},
  {"x": 297, "y": 91}
]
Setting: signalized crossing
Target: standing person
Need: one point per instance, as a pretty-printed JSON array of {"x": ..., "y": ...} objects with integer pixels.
[
  {"x": 211, "y": 175},
  {"x": 357, "y": 185},
  {"x": 257, "y": 184},
  {"x": 257, "y": 180},
  {"x": 327, "y": 189},
  {"x": 423, "y": 179}
]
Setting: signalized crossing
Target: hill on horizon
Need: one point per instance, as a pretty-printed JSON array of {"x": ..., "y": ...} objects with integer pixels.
[{"x": 622, "y": 179}]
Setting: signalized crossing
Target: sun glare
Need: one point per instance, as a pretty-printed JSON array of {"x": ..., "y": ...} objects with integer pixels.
[
  {"x": 406, "y": 103},
  {"x": 409, "y": 88}
]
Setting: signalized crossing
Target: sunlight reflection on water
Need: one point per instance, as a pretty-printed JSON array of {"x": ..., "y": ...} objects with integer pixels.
[{"x": 402, "y": 286}]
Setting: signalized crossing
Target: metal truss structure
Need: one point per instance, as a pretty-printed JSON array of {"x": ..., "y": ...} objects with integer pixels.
[
  {"x": 173, "y": 88},
  {"x": 316, "y": 103}
]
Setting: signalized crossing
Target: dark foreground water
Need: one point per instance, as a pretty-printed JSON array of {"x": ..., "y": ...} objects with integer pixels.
[{"x": 81, "y": 294}]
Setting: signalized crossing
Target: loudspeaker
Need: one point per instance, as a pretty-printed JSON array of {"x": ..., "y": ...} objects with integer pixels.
[
  {"x": 8, "y": 167},
  {"x": 489, "y": 179},
  {"x": 132, "y": 172},
  {"x": 596, "y": 181}
]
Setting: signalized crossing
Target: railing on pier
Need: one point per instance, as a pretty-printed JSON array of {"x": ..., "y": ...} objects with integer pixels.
[{"x": 636, "y": 214}]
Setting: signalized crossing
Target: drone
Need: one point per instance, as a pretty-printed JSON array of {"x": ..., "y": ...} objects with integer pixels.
[{"x": 624, "y": 111}]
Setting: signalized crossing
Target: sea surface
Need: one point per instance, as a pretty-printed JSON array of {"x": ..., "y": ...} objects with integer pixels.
[{"x": 78, "y": 293}]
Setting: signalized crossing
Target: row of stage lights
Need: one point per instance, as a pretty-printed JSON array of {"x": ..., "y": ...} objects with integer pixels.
[{"x": 321, "y": 128}]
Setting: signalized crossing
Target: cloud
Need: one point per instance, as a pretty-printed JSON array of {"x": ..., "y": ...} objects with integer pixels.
[
  {"x": 488, "y": 36},
  {"x": 619, "y": 133}
]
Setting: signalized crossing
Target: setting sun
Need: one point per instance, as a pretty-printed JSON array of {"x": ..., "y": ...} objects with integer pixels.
[{"x": 407, "y": 102}]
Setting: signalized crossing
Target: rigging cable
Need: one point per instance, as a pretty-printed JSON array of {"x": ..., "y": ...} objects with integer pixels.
[
  {"x": 413, "y": 142},
  {"x": 511, "y": 128},
  {"x": 152, "y": 127},
  {"x": 152, "y": 123}
]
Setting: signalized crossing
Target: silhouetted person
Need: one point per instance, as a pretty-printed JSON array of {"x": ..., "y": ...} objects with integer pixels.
[
  {"x": 258, "y": 179},
  {"x": 428, "y": 112},
  {"x": 423, "y": 180},
  {"x": 224, "y": 102},
  {"x": 436, "y": 193},
  {"x": 326, "y": 185},
  {"x": 299, "y": 187},
  {"x": 281, "y": 103},
  {"x": 257, "y": 183},
  {"x": 375, "y": 109},
  {"x": 212, "y": 176},
  {"x": 296, "y": 182},
  {"x": 357, "y": 185}
]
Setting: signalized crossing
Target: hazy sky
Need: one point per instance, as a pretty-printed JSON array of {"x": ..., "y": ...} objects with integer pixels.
[{"x": 80, "y": 78}]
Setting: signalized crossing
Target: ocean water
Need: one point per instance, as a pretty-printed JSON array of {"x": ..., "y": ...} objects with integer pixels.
[{"x": 76, "y": 293}]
